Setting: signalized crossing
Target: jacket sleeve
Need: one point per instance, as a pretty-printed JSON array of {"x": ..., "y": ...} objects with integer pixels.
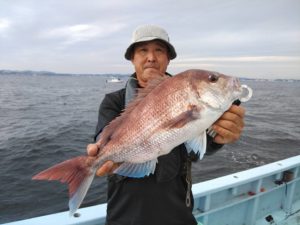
[
  {"x": 212, "y": 147},
  {"x": 111, "y": 107}
]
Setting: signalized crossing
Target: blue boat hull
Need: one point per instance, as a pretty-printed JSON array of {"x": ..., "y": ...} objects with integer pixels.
[{"x": 264, "y": 195}]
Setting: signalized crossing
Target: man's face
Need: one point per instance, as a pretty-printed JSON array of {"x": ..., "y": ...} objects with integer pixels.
[{"x": 150, "y": 59}]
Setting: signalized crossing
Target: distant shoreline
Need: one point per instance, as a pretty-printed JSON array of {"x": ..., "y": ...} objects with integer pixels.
[{"x": 48, "y": 73}]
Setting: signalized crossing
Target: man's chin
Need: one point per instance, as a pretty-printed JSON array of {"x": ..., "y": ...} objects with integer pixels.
[{"x": 152, "y": 71}]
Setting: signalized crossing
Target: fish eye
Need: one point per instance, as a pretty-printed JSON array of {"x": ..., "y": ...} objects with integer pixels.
[{"x": 213, "y": 78}]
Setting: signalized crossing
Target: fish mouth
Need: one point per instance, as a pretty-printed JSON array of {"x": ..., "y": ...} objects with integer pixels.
[
  {"x": 246, "y": 93},
  {"x": 235, "y": 83},
  {"x": 243, "y": 92}
]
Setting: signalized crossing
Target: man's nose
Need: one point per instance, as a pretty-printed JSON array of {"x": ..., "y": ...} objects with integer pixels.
[{"x": 151, "y": 57}]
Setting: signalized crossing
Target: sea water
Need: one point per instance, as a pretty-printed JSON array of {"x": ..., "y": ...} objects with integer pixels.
[{"x": 47, "y": 119}]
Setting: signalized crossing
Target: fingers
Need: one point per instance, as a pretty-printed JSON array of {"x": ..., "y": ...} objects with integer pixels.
[
  {"x": 92, "y": 149},
  {"x": 225, "y": 136},
  {"x": 230, "y": 125},
  {"x": 237, "y": 110},
  {"x": 106, "y": 168},
  {"x": 234, "y": 113}
]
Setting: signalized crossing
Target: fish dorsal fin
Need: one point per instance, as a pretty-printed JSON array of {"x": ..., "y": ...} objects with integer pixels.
[
  {"x": 110, "y": 129},
  {"x": 152, "y": 84},
  {"x": 143, "y": 92}
]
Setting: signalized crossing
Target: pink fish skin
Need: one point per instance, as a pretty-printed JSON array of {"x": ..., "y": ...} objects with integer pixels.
[{"x": 168, "y": 112}]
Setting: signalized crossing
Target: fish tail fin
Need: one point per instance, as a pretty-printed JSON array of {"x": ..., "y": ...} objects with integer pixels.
[{"x": 78, "y": 172}]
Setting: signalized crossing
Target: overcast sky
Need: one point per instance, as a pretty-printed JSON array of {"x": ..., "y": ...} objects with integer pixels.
[{"x": 249, "y": 38}]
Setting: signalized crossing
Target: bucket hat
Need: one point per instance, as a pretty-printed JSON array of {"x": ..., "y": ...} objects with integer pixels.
[{"x": 149, "y": 33}]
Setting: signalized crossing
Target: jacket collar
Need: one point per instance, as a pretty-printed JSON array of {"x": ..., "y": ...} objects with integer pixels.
[{"x": 131, "y": 88}]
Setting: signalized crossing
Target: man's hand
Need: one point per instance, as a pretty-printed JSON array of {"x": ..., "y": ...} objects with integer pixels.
[
  {"x": 108, "y": 167},
  {"x": 230, "y": 125}
]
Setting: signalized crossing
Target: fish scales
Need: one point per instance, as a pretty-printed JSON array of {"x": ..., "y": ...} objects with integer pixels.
[{"x": 158, "y": 108}]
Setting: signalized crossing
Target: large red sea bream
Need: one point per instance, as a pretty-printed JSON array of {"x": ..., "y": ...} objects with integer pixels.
[{"x": 168, "y": 112}]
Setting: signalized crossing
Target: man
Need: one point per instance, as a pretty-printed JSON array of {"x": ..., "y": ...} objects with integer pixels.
[{"x": 164, "y": 197}]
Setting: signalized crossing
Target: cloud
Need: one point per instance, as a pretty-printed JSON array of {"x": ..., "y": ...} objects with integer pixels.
[
  {"x": 248, "y": 66},
  {"x": 81, "y": 32},
  {"x": 242, "y": 59},
  {"x": 4, "y": 25},
  {"x": 72, "y": 36}
]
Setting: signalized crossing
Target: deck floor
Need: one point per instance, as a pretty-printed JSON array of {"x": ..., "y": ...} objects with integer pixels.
[{"x": 292, "y": 220}]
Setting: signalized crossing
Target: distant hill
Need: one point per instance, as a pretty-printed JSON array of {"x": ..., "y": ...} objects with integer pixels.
[
  {"x": 48, "y": 73},
  {"x": 29, "y": 73}
]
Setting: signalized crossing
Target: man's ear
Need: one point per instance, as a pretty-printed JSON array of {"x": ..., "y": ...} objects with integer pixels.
[
  {"x": 169, "y": 61},
  {"x": 131, "y": 58}
]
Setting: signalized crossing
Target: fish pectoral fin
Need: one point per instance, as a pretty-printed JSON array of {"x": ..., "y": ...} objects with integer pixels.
[
  {"x": 136, "y": 170},
  {"x": 191, "y": 114},
  {"x": 197, "y": 145}
]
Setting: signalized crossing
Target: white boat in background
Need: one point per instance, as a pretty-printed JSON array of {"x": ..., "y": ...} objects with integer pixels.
[
  {"x": 114, "y": 80},
  {"x": 264, "y": 195}
]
